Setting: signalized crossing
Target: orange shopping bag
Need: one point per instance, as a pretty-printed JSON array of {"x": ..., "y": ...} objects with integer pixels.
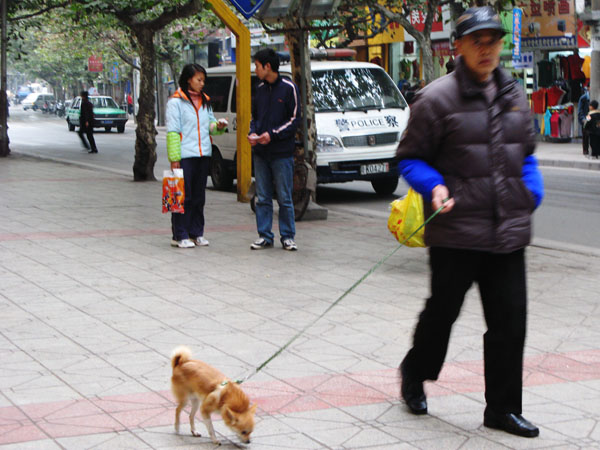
[{"x": 173, "y": 192}]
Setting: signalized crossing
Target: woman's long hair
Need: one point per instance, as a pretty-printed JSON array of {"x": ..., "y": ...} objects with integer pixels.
[{"x": 188, "y": 71}]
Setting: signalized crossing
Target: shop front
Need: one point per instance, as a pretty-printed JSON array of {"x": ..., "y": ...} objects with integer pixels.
[{"x": 552, "y": 66}]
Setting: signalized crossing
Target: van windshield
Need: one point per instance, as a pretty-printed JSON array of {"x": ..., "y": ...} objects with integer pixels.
[{"x": 357, "y": 89}]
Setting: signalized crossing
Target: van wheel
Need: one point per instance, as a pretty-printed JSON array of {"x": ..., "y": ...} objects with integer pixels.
[
  {"x": 107, "y": 129},
  {"x": 120, "y": 128},
  {"x": 385, "y": 186},
  {"x": 70, "y": 125},
  {"x": 219, "y": 173}
]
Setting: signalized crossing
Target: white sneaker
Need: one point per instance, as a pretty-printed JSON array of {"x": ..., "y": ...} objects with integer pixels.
[
  {"x": 184, "y": 243},
  {"x": 261, "y": 243},
  {"x": 289, "y": 244},
  {"x": 200, "y": 241}
]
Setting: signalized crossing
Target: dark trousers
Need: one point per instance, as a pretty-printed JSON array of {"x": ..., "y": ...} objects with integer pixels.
[
  {"x": 594, "y": 144},
  {"x": 585, "y": 140},
  {"x": 89, "y": 132},
  {"x": 501, "y": 281},
  {"x": 190, "y": 224}
]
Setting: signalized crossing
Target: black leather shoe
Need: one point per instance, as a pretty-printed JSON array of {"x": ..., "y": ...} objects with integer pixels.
[
  {"x": 412, "y": 393},
  {"x": 511, "y": 423}
]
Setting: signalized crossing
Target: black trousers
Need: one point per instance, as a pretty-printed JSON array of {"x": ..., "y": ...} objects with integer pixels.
[
  {"x": 89, "y": 132},
  {"x": 190, "y": 224},
  {"x": 585, "y": 140},
  {"x": 502, "y": 286}
]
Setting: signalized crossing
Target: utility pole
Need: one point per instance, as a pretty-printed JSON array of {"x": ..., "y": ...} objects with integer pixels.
[
  {"x": 592, "y": 18},
  {"x": 4, "y": 150}
]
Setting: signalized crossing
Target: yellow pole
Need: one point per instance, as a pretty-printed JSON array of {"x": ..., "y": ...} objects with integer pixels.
[{"x": 242, "y": 70}]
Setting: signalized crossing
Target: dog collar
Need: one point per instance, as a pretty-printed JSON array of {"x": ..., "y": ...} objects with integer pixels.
[{"x": 224, "y": 383}]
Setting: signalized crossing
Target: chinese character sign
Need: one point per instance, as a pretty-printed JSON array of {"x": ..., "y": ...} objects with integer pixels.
[
  {"x": 517, "y": 18},
  {"x": 547, "y": 22}
]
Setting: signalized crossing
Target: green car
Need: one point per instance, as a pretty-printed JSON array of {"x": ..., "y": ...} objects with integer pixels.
[{"x": 107, "y": 113}]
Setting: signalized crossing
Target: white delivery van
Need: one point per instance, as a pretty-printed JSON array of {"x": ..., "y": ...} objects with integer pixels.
[{"x": 360, "y": 117}]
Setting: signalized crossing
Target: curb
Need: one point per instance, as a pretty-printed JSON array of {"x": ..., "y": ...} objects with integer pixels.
[{"x": 585, "y": 165}]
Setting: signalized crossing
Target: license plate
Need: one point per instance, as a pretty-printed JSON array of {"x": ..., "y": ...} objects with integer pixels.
[
  {"x": 369, "y": 169},
  {"x": 107, "y": 122}
]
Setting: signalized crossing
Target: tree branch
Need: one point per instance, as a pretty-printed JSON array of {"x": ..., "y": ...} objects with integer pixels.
[{"x": 40, "y": 12}]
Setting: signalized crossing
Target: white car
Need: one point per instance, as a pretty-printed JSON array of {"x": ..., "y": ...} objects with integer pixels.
[
  {"x": 36, "y": 100},
  {"x": 360, "y": 116}
]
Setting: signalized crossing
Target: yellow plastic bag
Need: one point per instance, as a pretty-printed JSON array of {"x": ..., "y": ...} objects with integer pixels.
[{"x": 406, "y": 216}]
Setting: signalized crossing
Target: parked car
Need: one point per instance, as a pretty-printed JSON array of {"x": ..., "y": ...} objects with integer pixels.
[
  {"x": 36, "y": 101},
  {"x": 107, "y": 113},
  {"x": 360, "y": 116}
]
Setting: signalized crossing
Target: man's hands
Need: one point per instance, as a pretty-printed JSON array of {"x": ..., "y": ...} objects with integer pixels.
[
  {"x": 175, "y": 165},
  {"x": 438, "y": 195},
  {"x": 263, "y": 139}
]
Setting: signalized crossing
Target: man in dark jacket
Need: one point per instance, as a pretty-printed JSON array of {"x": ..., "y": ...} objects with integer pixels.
[
  {"x": 275, "y": 118},
  {"x": 86, "y": 123},
  {"x": 468, "y": 150}
]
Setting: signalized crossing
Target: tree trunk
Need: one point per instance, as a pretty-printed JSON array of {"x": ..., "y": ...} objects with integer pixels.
[
  {"x": 145, "y": 142},
  {"x": 427, "y": 55}
]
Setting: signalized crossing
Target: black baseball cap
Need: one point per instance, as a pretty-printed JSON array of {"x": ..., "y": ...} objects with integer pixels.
[{"x": 475, "y": 19}]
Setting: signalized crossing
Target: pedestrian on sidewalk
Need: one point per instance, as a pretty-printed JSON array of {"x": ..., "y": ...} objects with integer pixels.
[
  {"x": 469, "y": 148},
  {"x": 275, "y": 118},
  {"x": 190, "y": 122},
  {"x": 592, "y": 126},
  {"x": 86, "y": 123},
  {"x": 583, "y": 107}
]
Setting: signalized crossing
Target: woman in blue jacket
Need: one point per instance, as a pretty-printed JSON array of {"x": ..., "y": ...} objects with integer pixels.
[{"x": 190, "y": 121}]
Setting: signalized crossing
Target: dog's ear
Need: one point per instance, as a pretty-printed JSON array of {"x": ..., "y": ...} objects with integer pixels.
[
  {"x": 228, "y": 415},
  {"x": 253, "y": 409}
]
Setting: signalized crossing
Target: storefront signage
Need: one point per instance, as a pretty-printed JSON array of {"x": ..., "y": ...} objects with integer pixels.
[
  {"x": 417, "y": 20},
  {"x": 517, "y": 18},
  {"x": 548, "y": 24},
  {"x": 525, "y": 61}
]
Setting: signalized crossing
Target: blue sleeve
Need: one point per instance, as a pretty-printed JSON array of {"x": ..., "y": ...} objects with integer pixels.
[
  {"x": 173, "y": 116},
  {"x": 420, "y": 176},
  {"x": 532, "y": 178}
]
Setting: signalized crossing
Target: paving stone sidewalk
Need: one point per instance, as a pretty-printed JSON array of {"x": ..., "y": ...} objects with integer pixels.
[{"x": 93, "y": 300}]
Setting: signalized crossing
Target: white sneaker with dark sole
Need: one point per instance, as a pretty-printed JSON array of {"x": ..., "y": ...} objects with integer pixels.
[
  {"x": 289, "y": 244},
  {"x": 260, "y": 244}
]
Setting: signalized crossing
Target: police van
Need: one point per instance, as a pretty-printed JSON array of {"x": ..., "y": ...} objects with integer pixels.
[{"x": 360, "y": 116}]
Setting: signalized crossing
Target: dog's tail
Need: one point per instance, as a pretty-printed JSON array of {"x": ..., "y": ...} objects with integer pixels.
[{"x": 180, "y": 355}]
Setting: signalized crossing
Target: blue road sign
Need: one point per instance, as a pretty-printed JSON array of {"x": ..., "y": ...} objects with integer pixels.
[{"x": 247, "y": 7}]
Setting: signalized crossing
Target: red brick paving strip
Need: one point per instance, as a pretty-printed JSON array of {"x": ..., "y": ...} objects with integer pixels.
[{"x": 146, "y": 410}]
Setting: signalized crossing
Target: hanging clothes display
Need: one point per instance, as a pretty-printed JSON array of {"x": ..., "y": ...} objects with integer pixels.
[
  {"x": 545, "y": 77},
  {"x": 555, "y": 124},
  {"x": 554, "y": 96},
  {"x": 547, "y": 127}
]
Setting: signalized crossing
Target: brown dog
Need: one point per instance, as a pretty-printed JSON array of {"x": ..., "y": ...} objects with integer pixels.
[{"x": 212, "y": 391}]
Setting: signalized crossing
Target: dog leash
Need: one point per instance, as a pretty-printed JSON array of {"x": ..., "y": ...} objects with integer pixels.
[{"x": 330, "y": 307}]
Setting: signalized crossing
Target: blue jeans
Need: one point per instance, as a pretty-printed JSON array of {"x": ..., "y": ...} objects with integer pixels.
[
  {"x": 275, "y": 173},
  {"x": 190, "y": 224}
]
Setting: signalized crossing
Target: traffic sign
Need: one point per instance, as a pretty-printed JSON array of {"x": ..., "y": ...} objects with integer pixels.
[{"x": 247, "y": 8}]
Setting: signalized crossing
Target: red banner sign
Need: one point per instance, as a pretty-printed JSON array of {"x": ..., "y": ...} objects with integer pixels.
[{"x": 95, "y": 64}]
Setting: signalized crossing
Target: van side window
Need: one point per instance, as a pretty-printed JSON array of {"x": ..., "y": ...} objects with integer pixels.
[
  {"x": 217, "y": 88},
  {"x": 253, "y": 82}
]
